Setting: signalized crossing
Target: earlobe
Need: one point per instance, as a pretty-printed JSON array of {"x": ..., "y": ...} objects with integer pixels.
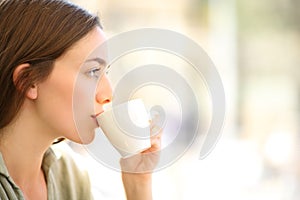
[{"x": 32, "y": 91}]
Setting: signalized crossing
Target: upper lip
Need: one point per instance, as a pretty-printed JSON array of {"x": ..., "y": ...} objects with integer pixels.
[{"x": 96, "y": 115}]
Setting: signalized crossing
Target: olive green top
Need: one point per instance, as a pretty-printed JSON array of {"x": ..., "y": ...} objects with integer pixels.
[{"x": 65, "y": 180}]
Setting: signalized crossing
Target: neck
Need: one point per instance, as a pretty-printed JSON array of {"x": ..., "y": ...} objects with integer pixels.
[{"x": 23, "y": 144}]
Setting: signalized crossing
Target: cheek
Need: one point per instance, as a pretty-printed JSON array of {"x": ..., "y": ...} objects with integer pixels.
[
  {"x": 66, "y": 103},
  {"x": 83, "y": 96},
  {"x": 83, "y": 106},
  {"x": 54, "y": 103}
]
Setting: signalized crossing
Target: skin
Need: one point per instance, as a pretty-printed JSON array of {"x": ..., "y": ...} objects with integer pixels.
[{"x": 47, "y": 114}]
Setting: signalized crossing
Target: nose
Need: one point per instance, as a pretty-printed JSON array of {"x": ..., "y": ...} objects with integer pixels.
[{"x": 104, "y": 91}]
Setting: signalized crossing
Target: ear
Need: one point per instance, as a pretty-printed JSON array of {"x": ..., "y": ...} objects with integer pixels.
[{"x": 32, "y": 91}]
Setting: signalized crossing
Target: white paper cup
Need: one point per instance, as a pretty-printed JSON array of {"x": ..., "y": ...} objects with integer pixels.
[{"x": 127, "y": 127}]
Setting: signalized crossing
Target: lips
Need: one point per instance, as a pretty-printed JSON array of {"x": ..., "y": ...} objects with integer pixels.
[{"x": 95, "y": 117}]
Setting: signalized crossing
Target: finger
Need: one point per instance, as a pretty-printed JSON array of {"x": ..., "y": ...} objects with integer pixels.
[
  {"x": 155, "y": 130},
  {"x": 155, "y": 144}
]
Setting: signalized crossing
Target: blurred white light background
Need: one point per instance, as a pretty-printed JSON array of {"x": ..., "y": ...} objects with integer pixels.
[{"x": 255, "y": 45}]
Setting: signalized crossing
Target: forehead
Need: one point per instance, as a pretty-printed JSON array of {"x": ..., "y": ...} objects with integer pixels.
[{"x": 86, "y": 48}]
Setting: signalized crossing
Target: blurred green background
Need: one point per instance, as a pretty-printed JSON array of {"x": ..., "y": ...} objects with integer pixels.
[{"x": 255, "y": 45}]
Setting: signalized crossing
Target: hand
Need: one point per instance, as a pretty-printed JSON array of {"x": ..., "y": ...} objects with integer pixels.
[
  {"x": 146, "y": 161},
  {"x": 136, "y": 170}
]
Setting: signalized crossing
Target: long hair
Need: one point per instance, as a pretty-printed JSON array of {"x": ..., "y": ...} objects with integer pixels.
[{"x": 35, "y": 32}]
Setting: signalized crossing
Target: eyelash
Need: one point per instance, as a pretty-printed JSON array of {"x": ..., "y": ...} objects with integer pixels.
[{"x": 93, "y": 72}]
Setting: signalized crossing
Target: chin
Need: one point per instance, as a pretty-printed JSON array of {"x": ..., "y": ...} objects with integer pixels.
[
  {"x": 86, "y": 139},
  {"x": 83, "y": 134}
]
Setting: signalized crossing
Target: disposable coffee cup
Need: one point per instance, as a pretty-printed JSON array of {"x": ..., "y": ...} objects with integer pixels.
[{"x": 127, "y": 127}]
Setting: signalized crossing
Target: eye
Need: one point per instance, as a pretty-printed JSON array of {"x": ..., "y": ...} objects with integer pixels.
[{"x": 94, "y": 72}]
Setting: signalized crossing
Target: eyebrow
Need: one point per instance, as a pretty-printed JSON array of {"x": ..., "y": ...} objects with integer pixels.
[{"x": 98, "y": 60}]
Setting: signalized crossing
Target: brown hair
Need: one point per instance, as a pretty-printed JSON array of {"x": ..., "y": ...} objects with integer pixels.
[{"x": 35, "y": 32}]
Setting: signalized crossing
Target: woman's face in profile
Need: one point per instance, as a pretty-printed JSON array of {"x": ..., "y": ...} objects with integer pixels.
[{"x": 75, "y": 92}]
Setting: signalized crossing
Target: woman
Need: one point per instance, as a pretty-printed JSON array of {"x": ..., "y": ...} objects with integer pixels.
[{"x": 43, "y": 43}]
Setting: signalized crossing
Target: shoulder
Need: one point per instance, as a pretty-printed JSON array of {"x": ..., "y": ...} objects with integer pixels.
[
  {"x": 8, "y": 189},
  {"x": 62, "y": 157},
  {"x": 66, "y": 176}
]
